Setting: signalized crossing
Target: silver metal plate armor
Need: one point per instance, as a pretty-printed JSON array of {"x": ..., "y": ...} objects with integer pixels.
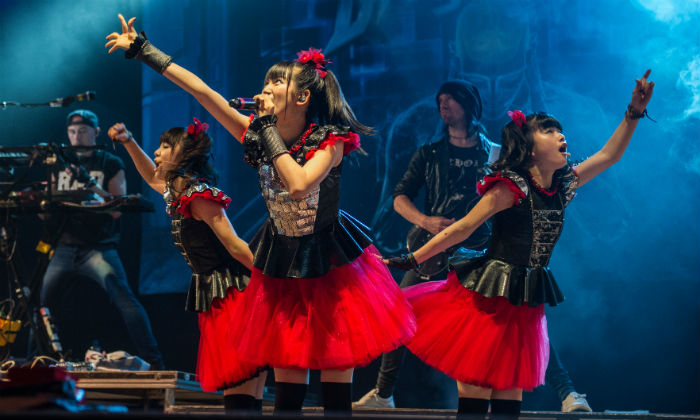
[{"x": 291, "y": 217}]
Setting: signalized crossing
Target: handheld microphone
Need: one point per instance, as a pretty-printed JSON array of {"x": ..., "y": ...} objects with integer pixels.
[
  {"x": 80, "y": 97},
  {"x": 243, "y": 103}
]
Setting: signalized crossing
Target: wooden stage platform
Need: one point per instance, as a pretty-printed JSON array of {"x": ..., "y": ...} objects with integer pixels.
[{"x": 172, "y": 394}]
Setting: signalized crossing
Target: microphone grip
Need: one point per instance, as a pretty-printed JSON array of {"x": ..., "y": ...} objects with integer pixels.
[{"x": 243, "y": 103}]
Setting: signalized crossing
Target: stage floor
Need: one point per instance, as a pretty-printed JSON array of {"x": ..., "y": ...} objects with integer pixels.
[{"x": 168, "y": 394}]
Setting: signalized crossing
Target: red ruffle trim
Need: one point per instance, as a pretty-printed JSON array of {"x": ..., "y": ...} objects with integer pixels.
[
  {"x": 351, "y": 141},
  {"x": 183, "y": 206},
  {"x": 490, "y": 180},
  {"x": 250, "y": 119}
]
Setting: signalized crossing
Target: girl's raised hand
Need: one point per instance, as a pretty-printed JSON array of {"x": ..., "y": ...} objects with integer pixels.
[
  {"x": 642, "y": 93},
  {"x": 123, "y": 40},
  {"x": 265, "y": 104},
  {"x": 119, "y": 133}
]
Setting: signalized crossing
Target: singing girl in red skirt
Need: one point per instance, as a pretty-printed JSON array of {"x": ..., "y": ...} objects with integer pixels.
[{"x": 319, "y": 295}]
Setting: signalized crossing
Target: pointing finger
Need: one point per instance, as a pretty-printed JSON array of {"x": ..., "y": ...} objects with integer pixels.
[{"x": 123, "y": 22}]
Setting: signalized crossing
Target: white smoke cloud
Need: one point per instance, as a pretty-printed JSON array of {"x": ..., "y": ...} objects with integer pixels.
[
  {"x": 689, "y": 78},
  {"x": 671, "y": 11}
]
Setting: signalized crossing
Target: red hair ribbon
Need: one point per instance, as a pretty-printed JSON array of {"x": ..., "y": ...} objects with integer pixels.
[
  {"x": 198, "y": 127},
  {"x": 315, "y": 56},
  {"x": 518, "y": 118}
]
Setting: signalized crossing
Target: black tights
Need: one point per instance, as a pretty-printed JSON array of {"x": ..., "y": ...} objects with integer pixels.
[
  {"x": 477, "y": 408},
  {"x": 289, "y": 398},
  {"x": 242, "y": 404}
]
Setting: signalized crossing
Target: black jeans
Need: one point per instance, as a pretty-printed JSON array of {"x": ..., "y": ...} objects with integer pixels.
[
  {"x": 392, "y": 361},
  {"x": 104, "y": 267},
  {"x": 556, "y": 376}
]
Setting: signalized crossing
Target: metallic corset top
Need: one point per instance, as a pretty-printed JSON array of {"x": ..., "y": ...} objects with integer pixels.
[
  {"x": 290, "y": 216},
  {"x": 546, "y": 228}
]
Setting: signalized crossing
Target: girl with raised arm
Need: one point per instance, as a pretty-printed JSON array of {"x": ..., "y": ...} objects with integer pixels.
[
  {"x": 319, "y": 295},
  {"x": 220, "y": 260},
  {"x": 485, "y": 325}
]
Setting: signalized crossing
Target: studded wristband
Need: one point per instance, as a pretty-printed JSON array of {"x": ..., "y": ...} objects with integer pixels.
[
  {"x": 404, "y": 262},
  {"x": 266, "y": 127},
  {"x": 143, "y": 50}
]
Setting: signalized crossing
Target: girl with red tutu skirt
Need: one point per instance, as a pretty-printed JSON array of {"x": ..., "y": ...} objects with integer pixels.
[
  {"x": 319, "y": 295},
  {"x": 219, "y": 259},
  {"x": 485, "y": 325}
]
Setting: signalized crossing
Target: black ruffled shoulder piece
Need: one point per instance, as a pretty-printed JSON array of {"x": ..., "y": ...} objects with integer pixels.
[
  {"x": 493, "y": 278},
  {"x": 205, "y": 288},
  {"x": 513, "y": 180},
  {"x": 313, "y": 255},
  {"x": 311, "y": 139},
  {"x": 198, "y": 189}
]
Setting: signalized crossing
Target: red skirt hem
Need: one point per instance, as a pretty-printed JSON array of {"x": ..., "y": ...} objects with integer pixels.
[
  {"x": 341, "y": 320},
  {"x": 219, "y": 365},
  {"x": 487, "y": 342}
]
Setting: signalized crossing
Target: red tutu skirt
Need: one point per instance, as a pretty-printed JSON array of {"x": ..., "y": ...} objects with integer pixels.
[
  {"x": 341, "y": 320},
  {"x": 218, "y": 363},
  {"x": 486, "y": 342}
]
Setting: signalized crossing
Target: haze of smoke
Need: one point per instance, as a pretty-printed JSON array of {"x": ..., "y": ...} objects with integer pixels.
[
  {"x": 690, "y": 79},
  {"x": 671, "y": 11}
]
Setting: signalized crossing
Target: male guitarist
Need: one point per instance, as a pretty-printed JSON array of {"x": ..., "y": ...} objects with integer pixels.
[{"x": 449, "y": 170}]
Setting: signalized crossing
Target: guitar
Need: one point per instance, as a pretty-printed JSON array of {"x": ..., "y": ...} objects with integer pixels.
[{"x": 416, "y": 238}]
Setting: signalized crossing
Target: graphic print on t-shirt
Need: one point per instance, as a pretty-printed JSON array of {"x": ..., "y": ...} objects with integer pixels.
[
  {"x": 466, "y": 168},
  {"x": 63, "y": 182}
]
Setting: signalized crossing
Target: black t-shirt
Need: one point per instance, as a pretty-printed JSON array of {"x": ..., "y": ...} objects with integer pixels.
[
  {"x": 86, "y": 228},
  {"x": 466, "y": 169}
]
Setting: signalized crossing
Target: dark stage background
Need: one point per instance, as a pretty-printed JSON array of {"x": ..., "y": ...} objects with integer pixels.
[{"x": 627, "y": 261}]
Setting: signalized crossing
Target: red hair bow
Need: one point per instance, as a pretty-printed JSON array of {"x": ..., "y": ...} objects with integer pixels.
[
  {"x": 518, "y": 118},
  {"x": 198, "y": 127},
  {"x": 315, "y": 56}
]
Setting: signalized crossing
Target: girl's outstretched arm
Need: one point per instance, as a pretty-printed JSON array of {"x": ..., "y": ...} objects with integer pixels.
[
  {"x": 299, "y": 180},
  {"x": 142, "y": 161},
  {"x": 214, "y": 215},
  {"x": 234, "y": 122},
  {"x": 616, "y": 145},
  {"x": 495, "y": 200}
]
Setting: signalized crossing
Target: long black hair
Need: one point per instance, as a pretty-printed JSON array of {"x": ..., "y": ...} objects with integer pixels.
[
  {"x": 195, "y": 151},
  {"x": 517, "y": 142},
  {"x": 327, "y": 105}
]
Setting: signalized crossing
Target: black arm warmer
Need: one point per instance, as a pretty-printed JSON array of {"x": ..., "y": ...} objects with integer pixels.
[
  {"x": 266, "y": 127},
  {"x": 404, "y": 262},
  {"x": 150, "y": 55}
]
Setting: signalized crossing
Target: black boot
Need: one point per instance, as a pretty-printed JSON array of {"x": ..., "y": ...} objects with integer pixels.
[
  {"x": 336, "y": 398},
  {"x": 472, "y": 408},
  {"x": 239, "y": 403},
  {"x": 505, "y": 409},
  {"x": 289, "y": 398}
]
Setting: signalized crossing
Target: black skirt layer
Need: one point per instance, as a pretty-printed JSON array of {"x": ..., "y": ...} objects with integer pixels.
[
  {"x": 491, "y": 277},
  {"x": 205, "y": 287},
  {"x": 313, "y": 255}
]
